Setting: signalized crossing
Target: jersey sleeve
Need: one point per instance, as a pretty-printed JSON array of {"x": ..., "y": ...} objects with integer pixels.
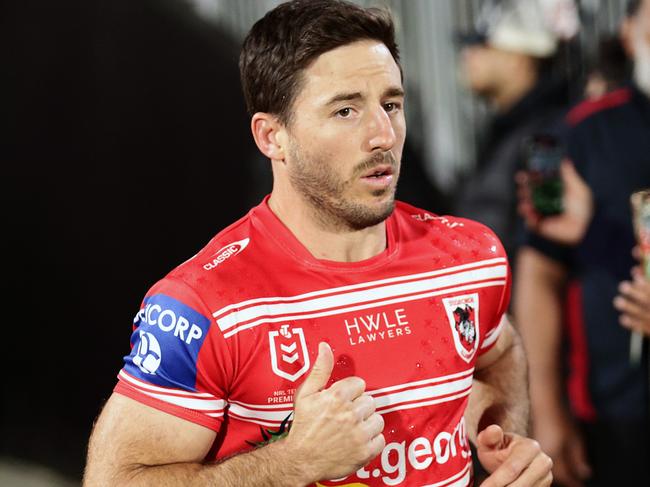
[
  {"x": 495, "y": 325},
  {"x": 171, "y": 348}
]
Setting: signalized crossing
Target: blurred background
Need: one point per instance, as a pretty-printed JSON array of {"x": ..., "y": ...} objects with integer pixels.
[{"x": 125, "y": 147}]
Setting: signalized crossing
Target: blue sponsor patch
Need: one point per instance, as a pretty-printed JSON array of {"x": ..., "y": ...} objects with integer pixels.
[{"x": 166, "y": 343}]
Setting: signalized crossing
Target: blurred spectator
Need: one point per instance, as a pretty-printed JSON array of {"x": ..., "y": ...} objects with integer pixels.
[
  {"x": 508, "y": 62},
  {"x": 607, "y": 386}
]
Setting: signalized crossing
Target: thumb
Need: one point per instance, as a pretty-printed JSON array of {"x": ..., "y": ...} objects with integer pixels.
[
  {"x": 320, "y": 372},
  {"x": 490, "y": 438},
  {"x": 570, "y": 175}
]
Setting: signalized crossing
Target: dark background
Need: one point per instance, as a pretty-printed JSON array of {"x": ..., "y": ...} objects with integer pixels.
[{"x": 125, "y": 147}]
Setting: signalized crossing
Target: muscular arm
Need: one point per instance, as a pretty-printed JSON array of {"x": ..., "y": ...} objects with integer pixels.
[
  {"x": 497, "y": 417},
  {"x": 136, "y": 445},
  {"x": 335, "y": 431},
  {"x": 499, "y": 391}
]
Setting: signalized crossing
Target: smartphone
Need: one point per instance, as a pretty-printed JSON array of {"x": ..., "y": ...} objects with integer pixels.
[{"x": 544, "y": 153}]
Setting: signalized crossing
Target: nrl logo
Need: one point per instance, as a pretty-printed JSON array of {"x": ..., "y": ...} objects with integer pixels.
[
  {"x": 462, "y": 312},
  {"x": 289, "y": 357}
]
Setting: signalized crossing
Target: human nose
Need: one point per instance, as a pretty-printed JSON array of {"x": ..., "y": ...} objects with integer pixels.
[{"x": 381, "y": 133}]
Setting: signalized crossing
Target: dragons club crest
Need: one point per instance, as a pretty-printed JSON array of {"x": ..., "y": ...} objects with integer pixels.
[{"x": 462, "y": 312}]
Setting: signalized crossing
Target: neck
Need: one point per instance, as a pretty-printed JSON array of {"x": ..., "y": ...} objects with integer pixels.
[{"x": 326, "y": 241}]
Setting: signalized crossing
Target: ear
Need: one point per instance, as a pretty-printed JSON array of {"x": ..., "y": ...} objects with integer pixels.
[{"x": 269, "y": 134}]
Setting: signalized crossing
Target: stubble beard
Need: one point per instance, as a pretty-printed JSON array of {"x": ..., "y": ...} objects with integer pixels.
[{"x": 325, "y": 192}]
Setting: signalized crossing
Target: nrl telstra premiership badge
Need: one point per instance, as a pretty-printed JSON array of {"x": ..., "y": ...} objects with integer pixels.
[{"x": 289, "y": 357}]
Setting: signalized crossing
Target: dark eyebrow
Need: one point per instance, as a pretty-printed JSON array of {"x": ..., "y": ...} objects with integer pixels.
[
  {"x": 394, "y": 92},
  {"x": 344, "y": 97},
  {"x": 390, "y": 92}
]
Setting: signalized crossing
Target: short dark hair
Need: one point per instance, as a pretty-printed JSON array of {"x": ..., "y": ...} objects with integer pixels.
[{"x": 283, "y": 43}]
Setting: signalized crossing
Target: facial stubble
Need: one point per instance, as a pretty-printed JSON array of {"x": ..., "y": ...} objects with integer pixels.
[{"x": 326, "y": 192}]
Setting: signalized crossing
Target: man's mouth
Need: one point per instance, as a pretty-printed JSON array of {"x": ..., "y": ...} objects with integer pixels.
[{"x": 379, "y": 171}]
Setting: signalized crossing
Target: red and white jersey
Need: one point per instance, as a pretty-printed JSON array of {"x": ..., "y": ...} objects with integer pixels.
[{"x": 225, "y": 338}]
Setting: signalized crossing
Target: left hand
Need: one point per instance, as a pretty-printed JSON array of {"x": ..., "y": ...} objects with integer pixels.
[
  {"x": 512, "y": 460},
  {"x": 633, "y": 301}
]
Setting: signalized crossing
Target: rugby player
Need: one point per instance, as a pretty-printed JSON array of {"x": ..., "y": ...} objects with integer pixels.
[{"x": 332, "y": 336}]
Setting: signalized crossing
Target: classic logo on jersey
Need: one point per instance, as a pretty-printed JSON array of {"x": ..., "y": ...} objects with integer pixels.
[
  {"x": 226, "y": 253},
  {"x": 148, "y": 356},
  {"x": 462, "y": 312},
  {"x": 289, "y": 357}
]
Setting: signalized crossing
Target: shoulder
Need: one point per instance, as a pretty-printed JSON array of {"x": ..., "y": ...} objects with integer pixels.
[
  {"x": 590, "y": 110},
  {"x": 229, "y": 249},
  {"x": 450, "y": 232}
]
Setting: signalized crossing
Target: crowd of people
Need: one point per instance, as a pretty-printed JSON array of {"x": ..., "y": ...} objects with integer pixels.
[{"x": 581, "y": 300}]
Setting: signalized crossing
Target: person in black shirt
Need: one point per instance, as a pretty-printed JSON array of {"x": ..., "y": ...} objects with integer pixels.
[
  {"x": 508, "y": 63},
  {"x": 589, "y": 248}
]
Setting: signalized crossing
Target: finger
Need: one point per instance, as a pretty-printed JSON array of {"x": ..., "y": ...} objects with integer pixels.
[
  {"x": 320, "y": 372},
  {"x": 640, "y": 279},
  {"x": 637, "y": 273},
  {"x": 348, "y": 389},
  {"x": 630, "y": 307},
  {"x": 364, "y": 406},
  {"x": 527, "y": 212},
  {"x": 490, "y": 438},
  {"x": 374, "y": 425},
  {"x": 570, "y": 176},
  {"x": 637, "y": 325},
  {"x": 637, "y": 292},
  {"x": 524, "y": 194},
  {"x": 636, "y": 253},
  {"x": 536, "y": 473},
  {"x": 547, "y": 481},
  {"x": 376, "y": 445},
  {"x": 521, "y": 456}
]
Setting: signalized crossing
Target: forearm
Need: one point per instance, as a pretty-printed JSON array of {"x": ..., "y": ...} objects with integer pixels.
[
  {"x": 500, "y": 393},
  {"x": 267, "y": 466},
  {"x": 136, "y": 445},
  {"x": 537, "y": 304}
]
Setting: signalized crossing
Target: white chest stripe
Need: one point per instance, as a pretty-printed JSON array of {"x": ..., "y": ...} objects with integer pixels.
[
  {"x": 235, "y": 321},
  {"x": 342, "y": 289},
  {"x": 394, "y": 398}
]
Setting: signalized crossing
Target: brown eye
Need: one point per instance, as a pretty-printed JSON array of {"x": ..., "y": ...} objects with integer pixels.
[
  {"x": 390, "y": 107},
  {"x": 344, "y": 112}
]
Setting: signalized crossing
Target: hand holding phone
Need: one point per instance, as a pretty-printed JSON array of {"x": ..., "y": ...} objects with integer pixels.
[
  {"x": 554, "y": 200},
  {"x": 544, "y": 154}
]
